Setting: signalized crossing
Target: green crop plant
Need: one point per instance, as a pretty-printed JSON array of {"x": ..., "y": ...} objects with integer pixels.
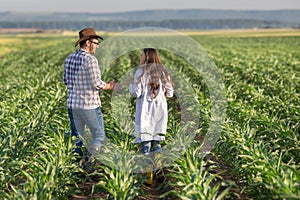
[{"x": 259, "y": 141}]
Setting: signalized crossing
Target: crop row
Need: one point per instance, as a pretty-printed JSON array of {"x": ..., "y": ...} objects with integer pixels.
[{"x": 259, "y": 138}]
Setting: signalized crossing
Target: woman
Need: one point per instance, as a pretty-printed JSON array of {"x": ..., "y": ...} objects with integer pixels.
[{"x": 152, "y": 85}]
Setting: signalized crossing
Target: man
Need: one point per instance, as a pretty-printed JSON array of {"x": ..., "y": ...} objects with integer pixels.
[{"x": 83, "y": 80}]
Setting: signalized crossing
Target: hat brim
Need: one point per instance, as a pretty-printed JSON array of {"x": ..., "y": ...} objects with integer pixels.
[{"x": 87, "y": 37}]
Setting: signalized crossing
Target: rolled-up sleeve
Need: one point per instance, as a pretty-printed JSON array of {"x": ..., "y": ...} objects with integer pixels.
[
  {"x": 96, "y": 74},
  {"x": 136, "y": 87},
  {"x": 169, "y": 90}
]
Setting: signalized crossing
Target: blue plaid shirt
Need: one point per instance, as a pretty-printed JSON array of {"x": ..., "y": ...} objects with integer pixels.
[{"x": 82, "y": 77}]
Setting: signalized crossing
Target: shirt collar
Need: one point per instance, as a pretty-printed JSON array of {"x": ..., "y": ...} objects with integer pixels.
[{"x": 83, "y": 50}]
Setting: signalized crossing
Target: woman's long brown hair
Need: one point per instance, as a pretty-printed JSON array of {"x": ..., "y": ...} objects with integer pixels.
[{"x": 155, "y": 70}]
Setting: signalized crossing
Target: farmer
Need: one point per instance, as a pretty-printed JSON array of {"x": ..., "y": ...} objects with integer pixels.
[{"x": 83, "y": 80}]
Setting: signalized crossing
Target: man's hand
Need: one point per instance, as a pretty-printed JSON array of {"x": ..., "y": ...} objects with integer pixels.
[{"x": 110, "y": 85}]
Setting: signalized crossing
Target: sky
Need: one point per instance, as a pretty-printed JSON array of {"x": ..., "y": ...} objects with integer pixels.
[{"x": 102, "y": 6}]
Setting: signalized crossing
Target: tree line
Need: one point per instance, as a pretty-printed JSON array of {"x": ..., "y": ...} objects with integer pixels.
[{"x": 119, "y": 25}]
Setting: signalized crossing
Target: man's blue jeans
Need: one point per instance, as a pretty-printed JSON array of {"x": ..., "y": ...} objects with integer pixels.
[
  {"x": 93, "y": 119},
  {"x": 75, "y": 133}
]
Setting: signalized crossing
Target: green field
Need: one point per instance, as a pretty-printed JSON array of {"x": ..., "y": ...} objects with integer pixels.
[{"x": 257, "y": 155}]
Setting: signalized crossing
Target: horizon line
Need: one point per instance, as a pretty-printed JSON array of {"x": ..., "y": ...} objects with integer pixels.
[{"x": 158, "y": 9}]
